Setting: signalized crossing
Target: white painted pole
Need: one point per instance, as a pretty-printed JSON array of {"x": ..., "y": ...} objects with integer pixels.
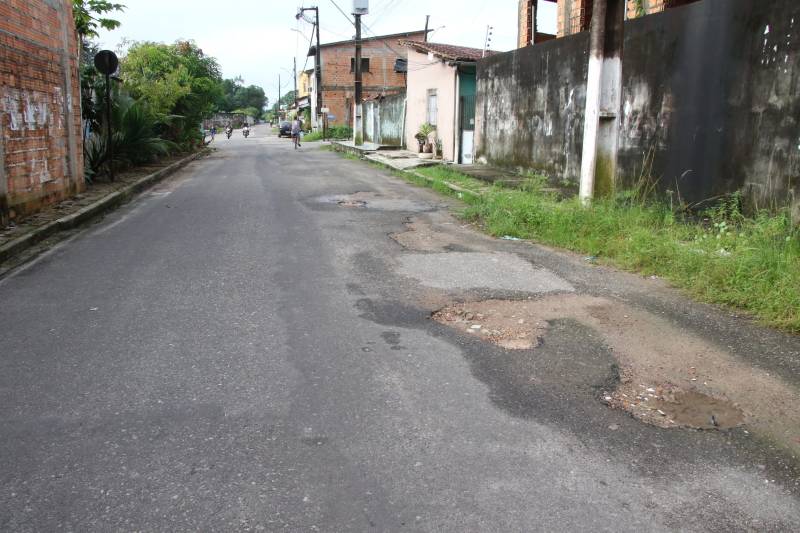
[{"x": 592, "y": 112}]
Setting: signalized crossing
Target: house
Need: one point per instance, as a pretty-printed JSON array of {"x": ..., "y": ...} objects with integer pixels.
[
  {"x": 574, "y": 16},
  {"x": 441, "y": 92},
  {"x": 41, "y": 149},
  {"x": 382, "y": 65}
]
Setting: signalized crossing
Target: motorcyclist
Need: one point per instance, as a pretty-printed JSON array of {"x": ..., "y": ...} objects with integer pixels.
[
  {"x": 246, "y": 130},
  {"x": 228, "y": 131}
]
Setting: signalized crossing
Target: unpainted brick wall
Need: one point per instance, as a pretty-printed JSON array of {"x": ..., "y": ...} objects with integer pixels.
[
  {"x": 41, "y": 155},
  {"x": 338, "y": 81}
]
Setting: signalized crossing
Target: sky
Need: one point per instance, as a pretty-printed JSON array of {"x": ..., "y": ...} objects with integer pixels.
[{"x": 258, "y": 39}]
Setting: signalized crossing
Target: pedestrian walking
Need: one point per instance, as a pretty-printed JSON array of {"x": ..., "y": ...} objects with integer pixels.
[
  {"x": 213, "y": 132},
  {"x": 296, "y": 125}
]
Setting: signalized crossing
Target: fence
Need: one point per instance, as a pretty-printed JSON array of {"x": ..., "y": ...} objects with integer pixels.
[{"x": 384, "y": 120}]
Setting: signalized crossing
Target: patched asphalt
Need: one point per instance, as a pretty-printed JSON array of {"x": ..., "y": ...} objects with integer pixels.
[{"x": 234, "y": 353}]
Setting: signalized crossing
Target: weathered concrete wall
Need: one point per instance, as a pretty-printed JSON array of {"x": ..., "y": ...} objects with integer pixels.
[
  {"x": 40, "y": 142},
  {"x": 710, "y": 91},
  {"x": 384, "y": 120},
  {"x": 530, "y": 105}
]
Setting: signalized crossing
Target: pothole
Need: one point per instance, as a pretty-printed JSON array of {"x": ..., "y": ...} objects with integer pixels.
[
  {"x": 377, "y": 201},
  {"x": 352, "y": 203},
  {"x": 422, "y": 237},
  {"x": 670, "y": 406},
  {"x": 669, "y": 376},
  {"x": 509, "y": 331}
]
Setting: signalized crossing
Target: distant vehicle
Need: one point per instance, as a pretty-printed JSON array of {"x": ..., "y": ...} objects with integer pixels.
[
  {"x": 246, "y": 131},
  {"x": 285, "y": 129}
]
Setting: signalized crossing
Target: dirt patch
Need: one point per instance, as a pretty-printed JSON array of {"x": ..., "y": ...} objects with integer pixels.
[
  {"x": 421, "y": 237},
  {"x": 664, "y": 369}
]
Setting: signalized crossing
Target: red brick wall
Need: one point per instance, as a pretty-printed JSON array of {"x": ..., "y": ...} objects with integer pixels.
[
  {"x": 337, "y": 79},
  {"x": 41, "y": 156}
]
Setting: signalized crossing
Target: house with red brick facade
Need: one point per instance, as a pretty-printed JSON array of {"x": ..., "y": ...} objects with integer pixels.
[
  {"x": 383, "y": 62},
  {"x": 41, "y": 153}
]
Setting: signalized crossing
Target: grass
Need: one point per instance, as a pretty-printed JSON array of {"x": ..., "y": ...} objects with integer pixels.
[{"x": 720, "y": 256}]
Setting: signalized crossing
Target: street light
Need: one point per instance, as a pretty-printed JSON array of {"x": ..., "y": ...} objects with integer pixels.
[{"x": 301, "y": 14}]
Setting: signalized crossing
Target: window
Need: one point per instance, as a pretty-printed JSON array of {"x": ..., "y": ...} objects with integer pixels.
[
  {"x": 432, "y": 106},
  {"x": 364, "y": 64}
]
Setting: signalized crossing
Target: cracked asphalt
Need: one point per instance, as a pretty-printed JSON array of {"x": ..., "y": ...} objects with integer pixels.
[{"x": 234, "y": 351}]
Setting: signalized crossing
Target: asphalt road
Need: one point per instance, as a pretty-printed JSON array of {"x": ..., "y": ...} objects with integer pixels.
[{"x": 237, "y": 351}]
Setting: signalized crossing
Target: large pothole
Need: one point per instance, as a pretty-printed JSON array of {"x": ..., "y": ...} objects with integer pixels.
[
  {"x": 669, "y": 376},
  {"x": 374, "y": 200}
]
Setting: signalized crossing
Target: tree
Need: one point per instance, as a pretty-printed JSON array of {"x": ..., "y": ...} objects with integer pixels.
[
  {"x": 237, "y": 96},
  {"x": 180, "y": 84},
  {"x": 89, "y": 15},
  {"x": 286, "y": 100}
]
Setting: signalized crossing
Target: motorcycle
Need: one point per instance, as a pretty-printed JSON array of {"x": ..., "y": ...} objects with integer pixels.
[
  {"x": 246, "y": 132},
  {"x": 228, "y": 133}
]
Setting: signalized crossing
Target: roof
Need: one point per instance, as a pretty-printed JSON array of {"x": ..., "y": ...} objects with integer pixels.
[
  {"x": 448, "y": 51},
  {"x": 376, "y": 38}
]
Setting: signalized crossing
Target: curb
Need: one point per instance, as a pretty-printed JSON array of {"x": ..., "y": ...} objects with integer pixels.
[
  {"x": 91, "y": 211},
  {"x": 452, "y": 186}
]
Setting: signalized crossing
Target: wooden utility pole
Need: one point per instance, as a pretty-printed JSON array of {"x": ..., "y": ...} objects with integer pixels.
[
  {"x": 427, "y": 21},
  {"x": 294, "y": 71}
]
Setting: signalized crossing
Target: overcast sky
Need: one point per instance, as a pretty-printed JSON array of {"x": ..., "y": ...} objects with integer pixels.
[{"x": 255, "y": 39}]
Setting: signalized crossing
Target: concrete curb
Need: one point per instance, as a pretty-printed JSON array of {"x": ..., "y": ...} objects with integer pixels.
[
  {"x": 452, "y": 186},
  {"x": 91, "y": 211}
]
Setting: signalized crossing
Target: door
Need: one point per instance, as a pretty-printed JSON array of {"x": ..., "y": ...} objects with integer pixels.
[{"x": 466, "y": 128}]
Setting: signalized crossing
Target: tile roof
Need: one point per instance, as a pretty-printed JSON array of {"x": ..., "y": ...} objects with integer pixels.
[{"x": 448, "y": 51}]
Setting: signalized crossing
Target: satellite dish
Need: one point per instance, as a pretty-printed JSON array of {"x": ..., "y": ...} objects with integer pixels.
[{"x": 106, "y": 62}]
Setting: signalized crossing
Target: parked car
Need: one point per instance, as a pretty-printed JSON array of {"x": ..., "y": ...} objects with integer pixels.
[{"x": 285, "y": 128}]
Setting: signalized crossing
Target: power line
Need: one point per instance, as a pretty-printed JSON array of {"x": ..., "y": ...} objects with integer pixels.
[{"x": 342, "y": 12}]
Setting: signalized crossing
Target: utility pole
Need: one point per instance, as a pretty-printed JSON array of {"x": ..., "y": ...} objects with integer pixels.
[
  {"x": 603, "y": 100},
  {"x": 294, "y": 71},
  {"x": 317, "y": 59},
  {"x": 358, "y": 125},
  {"x": 427, "y": 20}
]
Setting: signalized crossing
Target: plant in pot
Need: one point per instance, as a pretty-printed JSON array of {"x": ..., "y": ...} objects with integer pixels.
[{"x": 423, "y": 137}]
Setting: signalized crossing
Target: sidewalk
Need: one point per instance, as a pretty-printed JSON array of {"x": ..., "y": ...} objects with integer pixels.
[{"x": 98, "y": 198}]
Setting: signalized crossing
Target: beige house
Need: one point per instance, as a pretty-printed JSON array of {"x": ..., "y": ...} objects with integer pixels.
[{"x": 441, "y": 91}]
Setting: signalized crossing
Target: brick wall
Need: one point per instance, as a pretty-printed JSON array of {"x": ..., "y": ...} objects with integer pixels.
[
  {"x": 575, "y": 15},
  {"x": 338, "y": 79},
  {"x": 41, "y": 159}
]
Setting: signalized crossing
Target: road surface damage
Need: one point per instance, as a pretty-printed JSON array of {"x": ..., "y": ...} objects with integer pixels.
[{"x": 668, "y": 377}]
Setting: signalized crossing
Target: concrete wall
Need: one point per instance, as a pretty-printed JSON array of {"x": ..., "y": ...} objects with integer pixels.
[
  {"x": 425, "y": 74},
  {"x": 710, "y": 90},
  {"x": 41, "y": 158},
  {"x": 384, "y": 120}
]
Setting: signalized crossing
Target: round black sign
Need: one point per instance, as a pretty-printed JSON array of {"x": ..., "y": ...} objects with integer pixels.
[{"x": 106, "y": 62}]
